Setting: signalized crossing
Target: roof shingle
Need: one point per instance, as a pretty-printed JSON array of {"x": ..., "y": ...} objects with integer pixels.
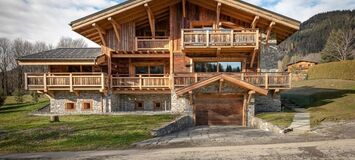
[{"x": 65, "y": 54}]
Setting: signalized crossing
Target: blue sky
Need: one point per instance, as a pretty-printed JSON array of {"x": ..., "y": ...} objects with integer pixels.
[{"x": 47, "y": 20}]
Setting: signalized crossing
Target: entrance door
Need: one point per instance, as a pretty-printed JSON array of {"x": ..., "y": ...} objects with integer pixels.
[{"x": 219, "y": 109}]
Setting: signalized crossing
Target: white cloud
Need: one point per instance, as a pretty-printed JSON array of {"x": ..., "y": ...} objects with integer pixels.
[{"x": 45, "y": 20}]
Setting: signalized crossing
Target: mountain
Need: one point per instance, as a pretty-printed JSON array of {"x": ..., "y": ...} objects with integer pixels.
[{"x": 313, "y": 33}]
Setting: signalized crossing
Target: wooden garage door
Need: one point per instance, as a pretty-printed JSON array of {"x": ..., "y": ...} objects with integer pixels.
[{"x": 219, "y": 109}]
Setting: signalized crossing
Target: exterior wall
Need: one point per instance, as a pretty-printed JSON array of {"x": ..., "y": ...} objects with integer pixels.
[
  {"x": 100, "y": 103},
  {"x": 180, "y": 104},
  {"x": 126, "y": 102},
  {"x": 250, "y": 111},
  {"x": 267, "y": 103}
]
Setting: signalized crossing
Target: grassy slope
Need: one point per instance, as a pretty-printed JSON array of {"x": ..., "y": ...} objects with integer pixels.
[
  {"x": 21, "y": 132},
  {"x": 280, "y": 119},
  {"x": 332, "y": 99},
  {"x": 333, "y": 70}
]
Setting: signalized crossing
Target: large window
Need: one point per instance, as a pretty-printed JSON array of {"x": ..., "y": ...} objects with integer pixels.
[
  {"x": 146, "y": 70},
  {"x": 217, "y": 66}
]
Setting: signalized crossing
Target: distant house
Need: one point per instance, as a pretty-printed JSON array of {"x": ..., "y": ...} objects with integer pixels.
[
  {"x": 194, "y": 56},
  {"x": 300, "y": 66}
]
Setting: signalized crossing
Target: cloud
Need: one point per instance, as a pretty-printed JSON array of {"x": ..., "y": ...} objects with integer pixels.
[{"x": 45, "y": 20}]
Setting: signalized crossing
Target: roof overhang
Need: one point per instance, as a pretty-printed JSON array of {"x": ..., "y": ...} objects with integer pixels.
[{"x": 55, "y": 62}]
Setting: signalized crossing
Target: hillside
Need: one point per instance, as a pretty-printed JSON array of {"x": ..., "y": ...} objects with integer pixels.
[{"x": 312, "y": 36}]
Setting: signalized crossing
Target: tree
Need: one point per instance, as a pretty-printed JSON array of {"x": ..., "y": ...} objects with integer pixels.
[
  {"x": 67, "y": 42},
  {"x": 2, "y": 97},
  {"x": 340, "y": 46},
  {"x": 5, "y": 60}
]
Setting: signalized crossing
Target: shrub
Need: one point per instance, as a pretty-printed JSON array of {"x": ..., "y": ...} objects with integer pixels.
[
  {"x": 2, "y": 97},
  {"x": 18, "y": 95},
  {"x": 35, "y": 97},
  {"x": 335, "y": 70}
]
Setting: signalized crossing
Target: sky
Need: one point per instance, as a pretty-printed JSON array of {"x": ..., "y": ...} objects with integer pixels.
[{"x": 47, "y": 20}]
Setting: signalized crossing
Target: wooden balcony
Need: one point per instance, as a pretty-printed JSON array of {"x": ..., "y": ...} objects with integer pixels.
[
  {"x": 152, "y": 44},
  {"x": 65, "y": 81},
  {"x": 142, "y": 82},
  {"x": 202, "y": 38},
  {"x": 265, "y": 80}
]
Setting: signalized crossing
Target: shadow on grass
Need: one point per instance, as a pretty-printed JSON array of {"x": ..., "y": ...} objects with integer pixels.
[{"x": 314, "y": 97}]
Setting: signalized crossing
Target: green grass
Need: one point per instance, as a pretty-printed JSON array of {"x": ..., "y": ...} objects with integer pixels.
[
  {"x": 334, "y": 70},
  {"x": 21, "y": 132},
  {"x": 325, "y": 99},
  {"x": 280, "y": 119}
]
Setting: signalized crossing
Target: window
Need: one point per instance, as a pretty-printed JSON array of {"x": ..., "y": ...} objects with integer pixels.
[
  {"x": 139, "y": 105},
  {"x": 86, "y": 106},
  {"x": 157, "y": 106},
  {"x": 73, "y": 68},
  {"x": 144, "y": 70},
  {"x": 230, "y": 66},
  {"x": 86, "y": 68},
  {"x": 218, "y": 66},
  {"x": 70, "y": 106}
]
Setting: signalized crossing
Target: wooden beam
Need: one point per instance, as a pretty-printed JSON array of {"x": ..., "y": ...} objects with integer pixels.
[
  {"x": 255, "y": 21},
  {"x": 184, "y": 8},
  {"x": 269, "y": 32},
  {"x": 101, "y": 33},
  {"x": 116, "y": 28},
  {"x": 151, "y": 19},
  {"x": 253, "y": 58},
  {"x": 218, "y": 13}
]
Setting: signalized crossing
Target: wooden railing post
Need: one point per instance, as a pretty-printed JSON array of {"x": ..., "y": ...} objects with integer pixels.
[
  {"x": 26, "y": 83},
  {"x": 71, "y": 82},
  {"x": 136, "y": 43},
  {"x": 182, "y": 39},
  {"x": 45, "y": 82},
  {"x": 102, "y": 81},
  {"x": 207, "y": 38},
  {"x": 242, "y": 76},
  {"x": 266, "y": 81},
  {"x": 232, "y": 37},
  {"x": 196, "y": 78},
  {"x": 140, "y": 82}
]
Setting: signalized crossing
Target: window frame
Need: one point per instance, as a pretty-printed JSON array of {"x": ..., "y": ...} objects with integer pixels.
[
  {"x": 160, "y": 108},
  {"x": 70, "y": 109},
  {"x": 87, "y": 102},
  {"x": 136, "y": 105},
  {"x": 218, "y": 66}
]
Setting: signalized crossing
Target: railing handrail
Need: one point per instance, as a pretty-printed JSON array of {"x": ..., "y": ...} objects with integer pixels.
[{"x": 201, "y": 29}]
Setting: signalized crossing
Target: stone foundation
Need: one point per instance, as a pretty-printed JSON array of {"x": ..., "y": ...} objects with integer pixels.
[
  {"x": 127, "y": 102},
  {"x": 99, "y": 102},
  {"x": 269, "y": 103}
]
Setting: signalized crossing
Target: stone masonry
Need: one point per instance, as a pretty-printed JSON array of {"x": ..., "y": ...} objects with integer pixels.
[{"x": 127, "y": 102}]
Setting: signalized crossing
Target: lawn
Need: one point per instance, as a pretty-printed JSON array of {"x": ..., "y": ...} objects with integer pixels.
[
  {"x": 325, "y": 99},
  {"x": 21, "y": 132},
  {"x": 280, "y": 119}
]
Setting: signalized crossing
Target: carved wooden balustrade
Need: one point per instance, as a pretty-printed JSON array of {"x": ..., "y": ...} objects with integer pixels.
[
  {"x": 141, "y": 82},
  {"x": 153, "y": 44},
  {"x": 65, "y": 81}
]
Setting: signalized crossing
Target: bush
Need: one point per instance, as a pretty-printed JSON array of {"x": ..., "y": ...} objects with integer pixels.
[
  {"x": 335, "y": 70},
  {"x": 35, "y": 97},
  {"x": 2, "y": 97},
  {"x": 18, "y": 95}
]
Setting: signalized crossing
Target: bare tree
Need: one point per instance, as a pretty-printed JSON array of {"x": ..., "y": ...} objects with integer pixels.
[
  {"x": 340, "y": 45},
  {"x": 67, "y": 42},
  {"x": 5, "y": 59}
]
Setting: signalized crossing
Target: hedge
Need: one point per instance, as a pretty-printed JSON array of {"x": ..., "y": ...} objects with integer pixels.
[{"x": 344, "y": 70}]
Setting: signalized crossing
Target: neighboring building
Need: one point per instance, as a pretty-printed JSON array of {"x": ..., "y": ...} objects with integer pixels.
[
  {"x": 193, "y": 56},
  {"x": 300, "y": 66}
]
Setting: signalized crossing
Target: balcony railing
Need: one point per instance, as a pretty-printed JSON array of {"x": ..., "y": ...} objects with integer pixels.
[
  {"x": 202, "y": 38},
  {"x": 150, "y": 43},
  {"x": 270, "y": 80},
  {"x": 65, "y": 81},
  {"x": 141, "y": 82}
]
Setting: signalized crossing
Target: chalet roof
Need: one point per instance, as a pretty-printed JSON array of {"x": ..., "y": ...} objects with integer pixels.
[
  {"x": 302, "y": 60},
  {"x": 134, "y": 9},
  {"x": 75, "y": 54}
]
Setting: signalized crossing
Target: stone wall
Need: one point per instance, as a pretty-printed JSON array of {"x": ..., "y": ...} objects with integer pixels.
[
  {"x": 269, "y": 103},
  {"x": 266, "y": 126},
  {"x": 250, "y": 111},
  {"x": 126, "y": 102},
  {"x": 179, "y": 124},
  {"x": 180, "y": 104},
  {"x": 100, "y": 103}
]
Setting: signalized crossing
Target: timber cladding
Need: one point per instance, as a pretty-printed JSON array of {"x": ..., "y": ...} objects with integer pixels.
[{"x": 218, "y": 109}]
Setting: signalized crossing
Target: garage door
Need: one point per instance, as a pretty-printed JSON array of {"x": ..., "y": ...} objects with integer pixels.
[{"x": 219, "y": 109}]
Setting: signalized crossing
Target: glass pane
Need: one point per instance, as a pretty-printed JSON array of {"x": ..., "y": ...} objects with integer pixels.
[
  {"x": 87, "y": 68},
  {"x": 199, "y": 67},
  {"x": 74, "y": 68},
  {"x": 230, "y": 66},
  {"x": 156, "y": 69},
  {"x": 141, "y": 70},
  {"x": 211, "y": 67}
]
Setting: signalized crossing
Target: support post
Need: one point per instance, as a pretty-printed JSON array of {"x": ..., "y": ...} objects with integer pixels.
[
  {"x": 26, "y": 83},
  {"x": 45, "y": 82},
  {"x": 266, "y": 81},
  {"x": 207, "y": 38},
  {"x": 140, "y": 82},
  {"x": 71, "y": 82},
  {"x": 290, "y": 80},
  {"x": 102, "y": 82}
]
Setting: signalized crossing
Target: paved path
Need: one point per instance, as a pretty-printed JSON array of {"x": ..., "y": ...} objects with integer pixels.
[
  {"x": 333, "y": 149},
  {"x": 301, "y": 123}
]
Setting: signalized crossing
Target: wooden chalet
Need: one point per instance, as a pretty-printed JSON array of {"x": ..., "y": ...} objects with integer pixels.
[{"x": 197, "y": 56}]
